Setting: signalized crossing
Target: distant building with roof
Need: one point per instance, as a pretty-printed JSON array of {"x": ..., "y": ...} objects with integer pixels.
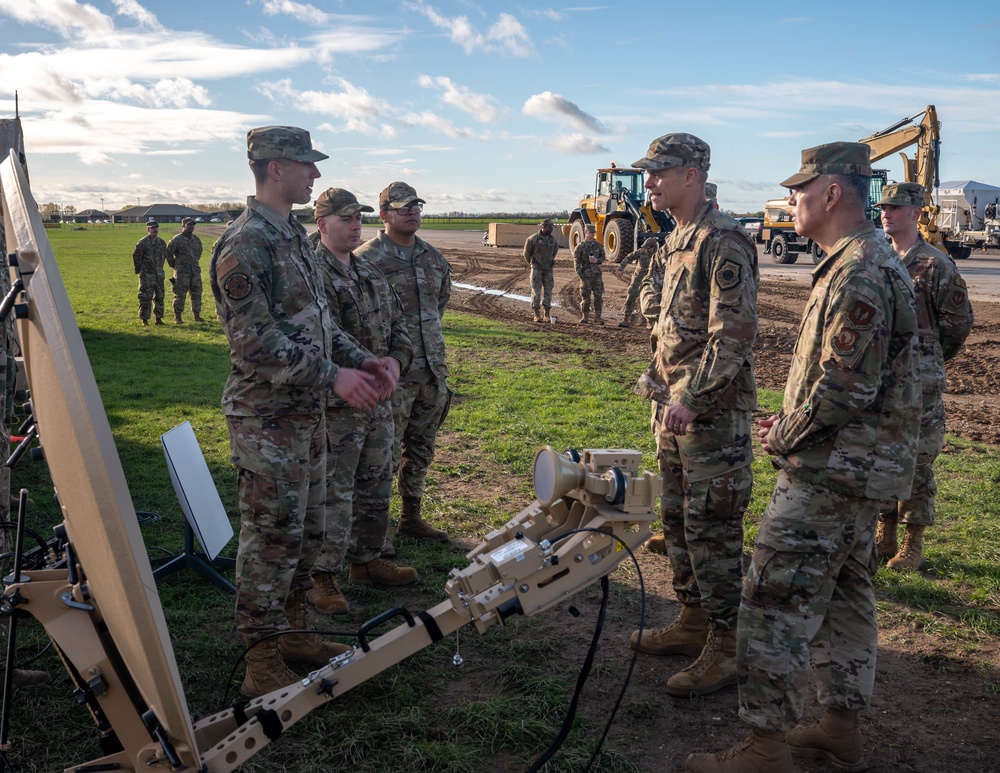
[{"x": 162, "y": 213}]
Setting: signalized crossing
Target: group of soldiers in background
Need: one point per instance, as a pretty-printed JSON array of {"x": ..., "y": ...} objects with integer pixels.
[
  {"x": 338, "y": 379},
  {"x": 182, "y": 254}
]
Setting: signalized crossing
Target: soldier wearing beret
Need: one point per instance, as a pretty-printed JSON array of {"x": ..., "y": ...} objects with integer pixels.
[
  {"x": 702, "y": 294},
  {"x": 421, "y": 277},
  {"x": 845, "y": 439},
  {"x": 641, "y": 257},
  {"x": 944, "y": 321},
  {"x": 540, "y": 254},
  {"x": 287, "y": 358},
  {"x": 588, "y": 257},
  {"x": 148, "y": 256},
  {"x": 183, "y": 256},
  {"x": 359, "y": 442}
]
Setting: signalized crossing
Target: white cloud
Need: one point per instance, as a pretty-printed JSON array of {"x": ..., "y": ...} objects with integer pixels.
[
  {"x": 357, "y": 110},
  {"x": 67, "y": 17},
  {"x": 135, "y": 11},
  {"x": 506, "y": 35},
  {"x": 548, "y": 107},
  {"x": 308, "y": 14},
  {"x": 431, "y": 120},
  {"x": 577, "y": 145},
  {"x": 547, "y": 13},
  {"x": 482, "y": 106}
]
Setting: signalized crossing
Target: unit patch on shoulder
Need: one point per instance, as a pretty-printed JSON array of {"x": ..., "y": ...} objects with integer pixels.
[
  {"x": 845, "y": 341},
  {"x": 237, "y": 286},
  {"x": 728, "y": 275},
  {"x": 862, "y": 314}
]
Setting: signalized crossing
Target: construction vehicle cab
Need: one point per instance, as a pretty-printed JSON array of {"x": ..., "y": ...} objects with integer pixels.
[{"x": 620, "y": 212}]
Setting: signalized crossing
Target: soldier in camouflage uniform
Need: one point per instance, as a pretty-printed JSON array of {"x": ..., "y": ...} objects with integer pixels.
[
  {"x": 183, "y": 254},
  {"x": 421, "y": 277},
  {"x": 588, "y": 257},
  {"x": 712, "y": 194},
  {"x": 944, "y": 321},
  {"x": 846, "y": 438},
  {"x": 359, "y": 446},
  {"x": 147, "y": 258},
  {"x": 287, "y": 357},
  {"x": 701, "y": 384},
  {"x": 641, "y": 257},
  {"x": 540, "y": 254}
]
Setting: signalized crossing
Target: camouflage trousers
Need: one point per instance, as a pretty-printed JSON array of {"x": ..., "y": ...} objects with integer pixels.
[
  {"x": 187, "y": 278},
  {"x": 808, "y": 597},
  {"x": 151, "y": 294},
  {"x": 358, "y": 485},
  {"x": 592, "y": 283},
  {"x": 632, "y": 295},
  {"x": 418, "y": 411},
  {"x": 707, "y": 479},
  {"x": 542, "y": 283},
  {"x": 281, "y": 465},
  {"x": 919, "y": 508}
]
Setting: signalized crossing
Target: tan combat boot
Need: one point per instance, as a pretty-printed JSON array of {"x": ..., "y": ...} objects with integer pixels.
[
  {"x": 30, "y": 678},
  {"x": 178, "y": 320},
  {"x": 326, "y": 596},
  {"x": 198, "y": 317},
  {"x": 598, "y": 318},
  {"x": 759, "y": 752},
  {"x": 687, "y": 635},
  {"x": 537, "y": 316},
  {"x": 911, "y": 552},
  {"x": 546, "y": 315},
  {"x": 145, "y": 322},
  {"x": 307, "y": 648},
  {"x": 714, "y": 669},
  {"x": 159, "y": 321},
  {"x": 411, "y": 525},
  {"x": 836, "y": 739},
  {"x": 378, "y": 571},
  {"x": 657, "y": 544},
  {"x": 584, "y": 318},
  {"x": 266, "y": 671},
  {"x": 886, "y": 537}
]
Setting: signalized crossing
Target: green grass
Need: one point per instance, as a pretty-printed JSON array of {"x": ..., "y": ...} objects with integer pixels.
[{"x": 516, "y": 390}]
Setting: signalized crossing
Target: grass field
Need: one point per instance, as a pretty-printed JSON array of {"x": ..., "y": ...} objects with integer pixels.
[{"x": 422, "y": 715}]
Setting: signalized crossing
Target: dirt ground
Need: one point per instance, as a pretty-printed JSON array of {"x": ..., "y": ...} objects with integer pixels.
[{"x": 935, "y": 705}]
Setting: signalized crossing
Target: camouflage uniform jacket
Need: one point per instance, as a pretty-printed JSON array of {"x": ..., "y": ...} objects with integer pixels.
[
  {"x": 584, "y": 251},
  {"x": 850, "y": 419},
  {"x": 540, "y": 251},
  {"x": 149, "y": 254},
  {"x": 365, "y": 308},
  {"x": 424, "y": 288},
  {"x": 184, "y": 250},
  {"x": 269, "y": 295},
  {"x": 641, "y": 258},
  {"x": 705, "y": 317},
  {"x": 944, "y": 314}
]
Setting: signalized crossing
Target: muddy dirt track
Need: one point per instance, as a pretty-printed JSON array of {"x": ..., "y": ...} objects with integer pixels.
[{"x": 973, "y": 376}]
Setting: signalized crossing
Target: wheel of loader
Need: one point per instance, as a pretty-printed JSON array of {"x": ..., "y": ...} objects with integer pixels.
[
  {"x": 780, "y": 252},
  {"x": 575, "y": 235},
  {"x": 617, "y": 239},
  {"x": 817, "y": 253}
]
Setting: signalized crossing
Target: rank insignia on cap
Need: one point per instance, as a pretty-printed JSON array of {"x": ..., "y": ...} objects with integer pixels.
[
  {"x": 728, "y": 275},
  {"x": 237, "y": 286},
  {"x": 844, "y": 343}
]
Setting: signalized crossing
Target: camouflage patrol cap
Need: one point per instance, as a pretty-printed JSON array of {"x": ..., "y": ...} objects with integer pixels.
[
  {"x": 188, "y": 220},
  {"x": 677, "y": 149},
  {"x": 398, "y": 194},
  {"x": 832, "y": 158},
  {"x": 546, "y": 222},
  {"x": 340, "y": 202},
  {"x": 266, "y": 142},
  {"x": 591, "y": 228},
  {"x": 650, "y": 242},
  {"x": 903, "y": 195},
  {"x": 151, "y": 222},
  {"x": 711, "y": 191}
]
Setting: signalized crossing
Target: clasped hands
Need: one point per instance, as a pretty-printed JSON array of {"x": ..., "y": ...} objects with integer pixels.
[{"x": 363, "y": 388}]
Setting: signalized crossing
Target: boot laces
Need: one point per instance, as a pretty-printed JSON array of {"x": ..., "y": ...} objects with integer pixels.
[{"x": 708, "y": 655}]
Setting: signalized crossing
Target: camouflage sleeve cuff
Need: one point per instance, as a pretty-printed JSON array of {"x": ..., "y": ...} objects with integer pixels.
[{"x": 699, "y": 405}]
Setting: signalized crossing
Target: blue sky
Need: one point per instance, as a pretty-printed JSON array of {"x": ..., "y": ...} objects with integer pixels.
[{"x": 481, "y": 106}]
